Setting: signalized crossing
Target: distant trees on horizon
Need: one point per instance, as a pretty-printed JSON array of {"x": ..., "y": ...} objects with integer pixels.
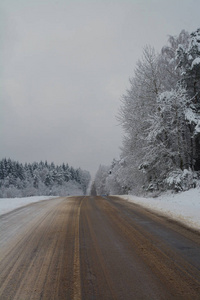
[{"x": 34, "y": 179}]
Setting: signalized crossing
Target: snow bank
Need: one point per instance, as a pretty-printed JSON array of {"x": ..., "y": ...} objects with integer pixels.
[
  {"x": 9, "y": 204},
  {"x": 183, "y": 207}
]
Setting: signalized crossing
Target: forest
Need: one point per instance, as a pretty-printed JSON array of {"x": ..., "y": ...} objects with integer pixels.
[
  {"x": 160, "y": 116},
  {"x": 35, "y": 179}
]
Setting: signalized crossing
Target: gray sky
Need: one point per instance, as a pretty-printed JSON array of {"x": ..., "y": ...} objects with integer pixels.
[{"x": 65, "y": 65}]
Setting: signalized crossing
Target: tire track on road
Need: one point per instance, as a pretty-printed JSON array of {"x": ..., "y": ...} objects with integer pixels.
[
  {"x": 39, "y": 262},
  {"x": 92, "y": 248},
  {"x": 76, "y": 265}
]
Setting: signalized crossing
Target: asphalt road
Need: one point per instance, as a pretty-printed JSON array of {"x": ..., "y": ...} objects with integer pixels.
[{"x": 96, "y": 248}]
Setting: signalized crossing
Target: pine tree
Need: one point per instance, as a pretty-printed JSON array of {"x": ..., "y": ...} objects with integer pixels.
[{"x": 41, "y": 179}]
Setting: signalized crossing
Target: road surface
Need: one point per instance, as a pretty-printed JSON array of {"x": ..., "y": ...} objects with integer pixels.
[{"x": 96, "y": 248}]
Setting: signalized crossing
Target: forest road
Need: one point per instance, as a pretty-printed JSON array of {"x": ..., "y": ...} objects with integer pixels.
[{"x": 96, "y": 248}]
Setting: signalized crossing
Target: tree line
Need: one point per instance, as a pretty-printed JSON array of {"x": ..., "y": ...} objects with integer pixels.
[
  {"x": 160, "y": 116},
  {"x": 30, "y": 179}
]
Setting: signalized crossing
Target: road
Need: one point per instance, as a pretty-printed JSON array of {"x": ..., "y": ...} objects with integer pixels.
[{"x": 96, "y": 248}]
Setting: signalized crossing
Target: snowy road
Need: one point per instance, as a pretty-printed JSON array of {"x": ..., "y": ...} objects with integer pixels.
[{"x": 96, "y": 248}]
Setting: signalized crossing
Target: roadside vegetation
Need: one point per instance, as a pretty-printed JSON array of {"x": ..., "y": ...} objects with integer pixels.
[{"x": 160, "y": 116}]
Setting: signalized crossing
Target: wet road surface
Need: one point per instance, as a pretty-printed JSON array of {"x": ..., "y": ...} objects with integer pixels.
[{"x": 96, "y": 248}]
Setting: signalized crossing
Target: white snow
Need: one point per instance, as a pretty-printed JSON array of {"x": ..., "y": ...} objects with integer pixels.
[
  {"x": 195, "y": 62},
  {"x": 197, "y": 127},
  {"x": 190, "y": 116},
  {"x": 9, "y": 204},
  {"x": 183, "y": 207}
]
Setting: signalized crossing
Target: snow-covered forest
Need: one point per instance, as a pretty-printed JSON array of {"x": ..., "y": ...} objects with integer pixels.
[
  {"x": 22, "y": 180},
  {"x": 160, "y": 116}
]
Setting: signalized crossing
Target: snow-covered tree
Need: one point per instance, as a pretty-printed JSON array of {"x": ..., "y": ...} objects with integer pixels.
[
  {"x": 84, "y": 177},
  {"x": 93, "y": 191},
  {"x": 138, "y": 104},
  {"x": 168, "y": 71},
  {"x": 168, "y": 146},
  {"x": 160, "y": 115},
  {"x": 100, "y": 180},
  {"x": 188, "y": 61},
  {"x": 114, "y": 182},
  {"x": 41, "y": 179}
]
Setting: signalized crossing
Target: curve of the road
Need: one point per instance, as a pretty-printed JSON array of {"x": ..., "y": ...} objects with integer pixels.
[{"x": 96, "y": 248}]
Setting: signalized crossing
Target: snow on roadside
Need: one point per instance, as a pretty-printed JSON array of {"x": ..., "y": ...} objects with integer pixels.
[
  {"x": 183, "y": 207},
  {"x": 9, "y": 204}
]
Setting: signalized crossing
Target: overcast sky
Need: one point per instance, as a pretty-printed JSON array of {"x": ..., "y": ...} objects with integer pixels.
[{"x": 65, "y": 65}]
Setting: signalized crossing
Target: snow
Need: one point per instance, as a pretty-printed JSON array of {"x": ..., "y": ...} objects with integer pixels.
[
  {"x": 195, "y": 62},
  {"x": 9, "y": 204},
  {"x": 191, "y": 116},
  {"x": 183, "y": 207}
]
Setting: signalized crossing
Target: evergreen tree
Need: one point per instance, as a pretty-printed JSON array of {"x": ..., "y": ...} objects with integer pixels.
[{"x": 41, "y": 179}]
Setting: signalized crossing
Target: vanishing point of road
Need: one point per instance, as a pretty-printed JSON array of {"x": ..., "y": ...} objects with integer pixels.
[{"x": 96, "y": 248}]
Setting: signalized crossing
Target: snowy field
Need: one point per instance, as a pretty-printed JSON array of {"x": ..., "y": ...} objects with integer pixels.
[
  {"x": 9, "y": 204},
  {"x": 183, "y": 207}
]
